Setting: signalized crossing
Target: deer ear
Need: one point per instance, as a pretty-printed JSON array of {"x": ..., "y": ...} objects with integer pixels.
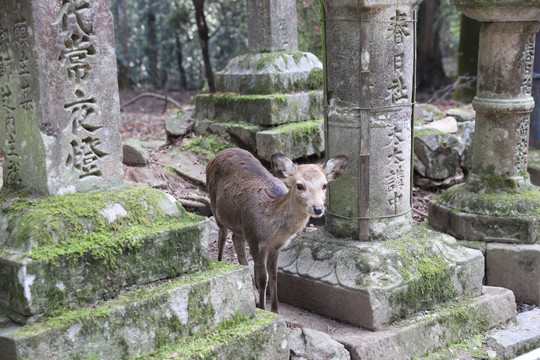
[
  {"x": 283, "y": 166},
  {"x": 335, "y": 167}
]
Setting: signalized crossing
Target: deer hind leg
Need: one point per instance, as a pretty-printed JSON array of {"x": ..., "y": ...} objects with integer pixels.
[
  {"x": 272, "y": 282},
  {"x": 222, "y": 237},
  {"x": 240, "y": 247},
  {"x": 261, "y": 279}
]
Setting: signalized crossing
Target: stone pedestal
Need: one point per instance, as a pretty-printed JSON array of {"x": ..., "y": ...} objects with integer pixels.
[
  {"x": 498, "y": 204},
  {"x": 59, "y": 111},
  {"x": 274, "y": 85}
]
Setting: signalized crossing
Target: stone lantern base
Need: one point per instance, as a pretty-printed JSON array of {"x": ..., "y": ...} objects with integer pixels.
[
  {"x": 504, "y": 225},
  {"x": 373, "y": 284}
]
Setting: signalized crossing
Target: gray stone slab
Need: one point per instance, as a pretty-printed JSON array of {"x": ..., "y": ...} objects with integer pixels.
[
  {"x": 420, "y": 335},
  {"x": 139, "y": 322},
  {"x": 270, "y": 73},
  {"x": 262, "y": 110},
  {"x": 72, "y": 250},
  {"x": 60, "y": 111},
  {"x": 520, "y": 338},
  {"x": 373, "y": 284},
  {"x": 134, "y": 153},
  {"x": 315, "y": 345},
  {"x": 294, "y": 140},
  {"x": 515, "y": 267}
]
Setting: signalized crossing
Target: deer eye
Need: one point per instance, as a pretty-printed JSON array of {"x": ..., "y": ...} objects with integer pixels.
[
  {"x": 324, "y": 186},
  {"x": 300, "y": 186}
]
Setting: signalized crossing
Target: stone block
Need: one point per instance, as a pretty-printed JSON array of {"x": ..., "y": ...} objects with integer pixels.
[
  {"x": 134, "y": 153},
  {"x": 437, "y": 154},
  {"x": 516, "y": 267},
  {"x": 270, "y": 73},
  {"x": 140, "y": 322},
  {"x": 60, "y": 113},
  {"x": 73, "y": 250},
  {"x": 315, "y": 345},
  {"x": 262, "y": 110},
  {"x": 416, "y": 337},
  {"x": 178, "y": 123},
  {"x": 373, "y": 284},
  {"x": 522, "y": 337},
  {"x": 294, "y": 140},
  {"x": 490, "y": 217}
]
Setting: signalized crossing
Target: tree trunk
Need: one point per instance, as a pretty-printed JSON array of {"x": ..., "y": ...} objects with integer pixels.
[
  {"x": 152, "y": 43},
  {"x": 430, "y": 72},
  {"x": 179, "y": 61},
  {"x": 203, "y": 38},
  {"x": 469, "y": 34},
  {"x": 124, "y": 82}
]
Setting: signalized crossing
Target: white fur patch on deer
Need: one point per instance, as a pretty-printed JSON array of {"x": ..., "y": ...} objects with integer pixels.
[{"x": 263, "y": 210}]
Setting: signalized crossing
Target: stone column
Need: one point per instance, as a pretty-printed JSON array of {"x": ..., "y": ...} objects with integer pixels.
[
  {"x": 271, "y": 25},
  {"x": 59, "y": 111},
  {"x": 370, "y": 54},
  {"x": 498, "y": 203}
]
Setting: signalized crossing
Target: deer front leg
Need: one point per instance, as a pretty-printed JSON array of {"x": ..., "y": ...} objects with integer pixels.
[{"x": 272, "y": 283}]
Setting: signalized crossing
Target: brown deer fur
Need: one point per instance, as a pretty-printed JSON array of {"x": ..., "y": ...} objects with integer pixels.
[{"x": 258, "y": 208}]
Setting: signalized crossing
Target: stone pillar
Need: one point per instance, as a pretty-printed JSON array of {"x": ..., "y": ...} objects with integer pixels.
[
  {"x": 59, "y": 113},
  {"x": 370, "y": 54},
  {"x": 271, "y": 25},
  {"x": 498, "y": 203}
]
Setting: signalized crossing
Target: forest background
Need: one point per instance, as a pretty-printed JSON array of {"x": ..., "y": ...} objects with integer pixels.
[{"x": 176, "y": 45}]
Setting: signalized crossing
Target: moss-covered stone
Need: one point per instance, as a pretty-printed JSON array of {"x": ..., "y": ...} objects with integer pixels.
[
  {"x": 261, "y": 338},
  {"x": 71, "y": 250},
  {"x": 141, "y": 320}
]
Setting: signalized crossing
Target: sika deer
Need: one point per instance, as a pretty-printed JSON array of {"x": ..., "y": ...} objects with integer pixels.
[{"x": 246, "y": 199}]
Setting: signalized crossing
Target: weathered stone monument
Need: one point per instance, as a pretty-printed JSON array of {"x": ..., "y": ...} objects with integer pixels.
[
  {"x": 60, "y": 113},
  {"x": 81, "y": 254},
  {"x": 269, "y": 98},
  {"x": 498, "y": 205},
  {"x": 370, "y": 267}
]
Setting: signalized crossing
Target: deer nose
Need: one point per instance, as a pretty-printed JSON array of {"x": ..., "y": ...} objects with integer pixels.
[{"x": 318, "y": 210}]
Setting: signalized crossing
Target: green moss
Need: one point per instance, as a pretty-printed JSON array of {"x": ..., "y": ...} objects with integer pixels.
[
  {"x": 169, "y": 170},
  {"x": 495, "y": 198},
  {"x": 428, "y": 132},
  {"x": 427, "y": 275},
  {"x": 203, "y": 345},
  {"x": 71, "y": 227},
  {"x": 315, "y": 79},
  {"x": 209, "y": 145},
  {"x": 302, "y": 131}
]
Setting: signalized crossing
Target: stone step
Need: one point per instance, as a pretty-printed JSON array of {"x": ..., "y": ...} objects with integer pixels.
[
  {"x": 264, "y": 337},
  {"x": 271, "y": 72},
  {"x": 263, "y": 110},
  {"x": 139, "y": 322},
  {"x": 72, "y": 250},
  {"x": 518, "y": 339},
  {"x": 418, "y": 335}
]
